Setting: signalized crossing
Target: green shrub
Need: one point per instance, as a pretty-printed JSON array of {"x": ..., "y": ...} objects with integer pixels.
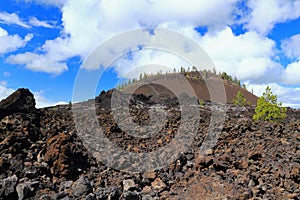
[
  {"x": 201, "y": 102},
  {"x": 239, "y": 99},
  {"x": 268, "y": 109}
]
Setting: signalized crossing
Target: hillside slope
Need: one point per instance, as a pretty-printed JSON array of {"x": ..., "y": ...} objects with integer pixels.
[{"x": 200, "y": 86}]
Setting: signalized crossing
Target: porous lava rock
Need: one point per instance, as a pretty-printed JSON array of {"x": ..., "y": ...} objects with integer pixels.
[{"x": 43, "y": 157}]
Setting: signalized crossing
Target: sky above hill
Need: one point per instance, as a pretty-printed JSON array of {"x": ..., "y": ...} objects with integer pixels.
[{"x": 44, "y": 43}]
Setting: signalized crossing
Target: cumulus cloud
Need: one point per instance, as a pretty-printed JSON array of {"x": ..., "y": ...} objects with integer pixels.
[
  {"x": 88, "y": 23},
  {"x": 10, "y": 43},
  {"x": 247, "y": 56},
  {"x": 5, "y": 92},
  {"x": 291, "y": 47},
  {"x": 250, "y": 55},
  {"x": 50, "y": 58},
  {"x": 38, "y": 62},
  {"x": 99, "y": 20},
  {"x": 238, "y": 55},
  {"x": 292, "y": 74},
  {"x": 264, "y": 15},
  {"x": 289, "y": 96},
  {"x": 3, "y": 32}
]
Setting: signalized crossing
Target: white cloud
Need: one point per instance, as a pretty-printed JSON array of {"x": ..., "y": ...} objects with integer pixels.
[
  {"x": 12, "y": 18},
  {"x": 5, "y": 92},
  {"x": 36, "y": 22},
  {"x": 11, "y": 43},
  {"x": 291, "y": 47},
  {"x": 88, "y": 23},
  {"x": 149, "y": 61},
  {"x": 50, "y": 59},
  {"x": 42, "y": 101},
  {"x": 99, "y": 20},
  {"x": 289, "y": 96},
  {"x": 292, "y": 74},
  {"x": 264, "y": 15},
  {"x": 247, "y": 56},
  {"x": 38, "y": 62},
  {"x": 3, "y": 32},
  {"x": 250, "y": 55}
]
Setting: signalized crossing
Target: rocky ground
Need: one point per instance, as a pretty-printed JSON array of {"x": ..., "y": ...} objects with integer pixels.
[{"x": 42, "y": 156}]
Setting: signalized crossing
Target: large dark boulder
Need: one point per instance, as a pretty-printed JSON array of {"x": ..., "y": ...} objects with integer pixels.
[{"x": 21, "y": 101}]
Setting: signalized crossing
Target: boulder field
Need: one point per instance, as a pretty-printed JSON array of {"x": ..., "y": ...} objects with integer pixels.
[{"x": 43, "y": 157}]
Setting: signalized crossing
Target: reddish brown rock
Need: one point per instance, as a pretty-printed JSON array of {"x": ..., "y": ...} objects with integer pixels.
[
  {"x": 255, "y": 160},
  {"x": 158, "y": 185},
  {"x": 64, "y": 157}
]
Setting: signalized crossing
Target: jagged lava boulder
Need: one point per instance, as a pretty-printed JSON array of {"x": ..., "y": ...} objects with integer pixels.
[{"x": 21, "y": 101}]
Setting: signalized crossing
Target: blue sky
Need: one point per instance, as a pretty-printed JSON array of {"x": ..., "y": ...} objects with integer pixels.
[{"x": 44, "y": 43}]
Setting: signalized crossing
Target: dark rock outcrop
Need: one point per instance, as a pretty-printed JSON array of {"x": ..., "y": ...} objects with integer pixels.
[{"x": 21, "y": 101}]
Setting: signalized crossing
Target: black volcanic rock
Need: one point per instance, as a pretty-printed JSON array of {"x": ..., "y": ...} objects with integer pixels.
[
  {"x": 42, "y": 155},
  {"x": 21, "y": 101}
]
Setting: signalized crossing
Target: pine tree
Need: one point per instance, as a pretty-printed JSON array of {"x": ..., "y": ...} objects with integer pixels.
[
  {"x": 145, "y": 76},
  {"x": 182, "y": 70},
  {"x": 239, "y": 99},
  {"x": 268, "y": 109},
  {"x": 244, "y": 86}
]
